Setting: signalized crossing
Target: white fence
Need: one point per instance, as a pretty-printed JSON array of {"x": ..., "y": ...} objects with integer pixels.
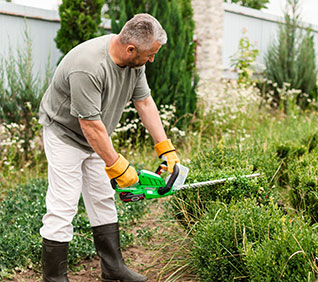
[
  {"x": 261, "y": 29},
  {"x": 42, "y": 26}
]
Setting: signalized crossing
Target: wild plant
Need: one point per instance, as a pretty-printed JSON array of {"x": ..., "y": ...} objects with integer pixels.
[
  {"x": 291, "y": 58},
  {"x": 131, "y": 134},
  {"x": 244, "y": 60},
  {"x": 21, "y": 90}
]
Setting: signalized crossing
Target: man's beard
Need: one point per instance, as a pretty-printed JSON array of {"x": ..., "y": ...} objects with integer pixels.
[{"x": 132, "y": 64}]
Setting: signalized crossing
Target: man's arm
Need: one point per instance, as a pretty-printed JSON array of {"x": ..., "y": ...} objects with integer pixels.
[
  {"x": 97, "y": 137},
  {"x": 149, "y": 115},
  {"x": 150, "y": 118},
  {"x": 117, "y": 167}
]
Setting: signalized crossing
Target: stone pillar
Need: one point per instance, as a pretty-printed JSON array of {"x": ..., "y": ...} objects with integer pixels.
[{"x": 209, "y": 21}]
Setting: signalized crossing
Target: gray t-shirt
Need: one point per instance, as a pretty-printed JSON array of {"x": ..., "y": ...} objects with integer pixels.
[{"x": 87, "y": 84}]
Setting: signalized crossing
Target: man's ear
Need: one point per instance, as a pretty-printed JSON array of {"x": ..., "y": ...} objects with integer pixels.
[{"x": 131, "y": 49}]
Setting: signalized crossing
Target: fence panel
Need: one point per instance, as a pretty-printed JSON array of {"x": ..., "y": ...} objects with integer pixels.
[
  {"x": 41, "y": 26},
  {"x": 261, "y": 29}
]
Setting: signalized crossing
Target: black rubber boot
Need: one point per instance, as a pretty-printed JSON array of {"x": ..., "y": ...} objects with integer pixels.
[
  {"x": 106, "y": 239},
  {"x": 54, "y": 261}
]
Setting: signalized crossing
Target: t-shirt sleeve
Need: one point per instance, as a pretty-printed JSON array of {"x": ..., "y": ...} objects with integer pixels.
[
  {"x": 85, "y": 96},
  {"x": 142, "y": 89}
]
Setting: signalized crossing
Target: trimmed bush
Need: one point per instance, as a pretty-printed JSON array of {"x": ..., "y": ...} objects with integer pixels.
[
  {"x": 250, "y": 242},
  {"x": 303, "y": 192},
  {"x": 289, "y": 256},
  {"x": 219, "y": 163}
]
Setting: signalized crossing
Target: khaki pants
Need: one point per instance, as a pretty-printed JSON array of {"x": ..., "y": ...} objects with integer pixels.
[{"x": 70, "y": 173}]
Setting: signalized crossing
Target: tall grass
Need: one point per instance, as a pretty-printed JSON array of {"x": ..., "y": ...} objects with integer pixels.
[{"x": 21, "y": 89}]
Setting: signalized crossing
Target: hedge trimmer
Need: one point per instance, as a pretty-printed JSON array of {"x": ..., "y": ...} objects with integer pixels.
[{"x": 151, "y": 185}]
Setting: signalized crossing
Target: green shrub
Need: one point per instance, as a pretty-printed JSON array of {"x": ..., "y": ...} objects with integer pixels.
[
  {"x": 234, "y": 242},
  {"x": 311, "y": 141},
  {"x": 21, "y": 219},
  {"x": 79, "y": 22},
  {"x": 290, "y": 62},
  {"x": 220, "y": 163},
  {"x": 304, "y": 185},
  {"x": 255, "y": 4},
  {"x": 289, "y": 256},
  {"x": 288, "y": 152}
]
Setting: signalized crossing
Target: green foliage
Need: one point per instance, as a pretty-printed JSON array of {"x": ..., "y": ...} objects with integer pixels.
[
  {"x": 303, "y": 193},
  {"x": 255, "y": 4},
  {"x": 21, "y": 218},
  {"x": 79, "y": 22},
  {"x": 20, "y": 215},
  {"x": 20, "y": 94},
  {"x": 288, "y": 152},
  {"x": 188, "y": 205},
  {"x": 244, "y": 59},
  {"x": 255, "y": 243},
  {"x": 172, "y": 75},
  {"x": 288, "y": 256},
  {"x": 274, "y": 145},
  {"x": 290, "y": 61}
]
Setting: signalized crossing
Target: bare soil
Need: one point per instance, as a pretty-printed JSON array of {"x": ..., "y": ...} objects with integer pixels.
[{"x": 151, "y": 255}]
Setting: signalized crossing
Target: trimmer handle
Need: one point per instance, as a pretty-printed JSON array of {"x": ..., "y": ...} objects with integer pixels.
[
  {"x": 159, "y": 169},
  {"x": 172, "y": 179},
  {"x": 113, "y": 181}
]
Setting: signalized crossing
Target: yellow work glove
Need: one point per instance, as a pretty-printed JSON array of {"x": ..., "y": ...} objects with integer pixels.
[
  {"x": 124, "y": 174},
  {"x": 167, "y": 152}
]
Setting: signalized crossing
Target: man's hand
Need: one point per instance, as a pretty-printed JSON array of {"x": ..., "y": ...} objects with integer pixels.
[
  {"x": 167, "y": 152},
  {"x": 124, "y": 174}
]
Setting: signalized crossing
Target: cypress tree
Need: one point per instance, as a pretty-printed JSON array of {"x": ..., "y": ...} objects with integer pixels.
[
  {"x": 292, "y": 58},
  {"x": 79, "y": 22},
  {"x": 254, "y": 4},
  {"x": 172, "y": 75}
]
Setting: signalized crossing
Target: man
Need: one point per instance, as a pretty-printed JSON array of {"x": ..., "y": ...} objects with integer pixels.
[{"x": 79, "y": 111}]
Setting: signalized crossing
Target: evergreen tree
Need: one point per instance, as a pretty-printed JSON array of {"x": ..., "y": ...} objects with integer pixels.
[
  {"x": 79, "y": 22},
  {"x": 255, "y": 4},
  {"x": 292, "y": 58},
  {"x": 172, "y": 75}
]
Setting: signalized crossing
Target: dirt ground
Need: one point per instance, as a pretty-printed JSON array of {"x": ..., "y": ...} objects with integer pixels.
[
  {"x": 90, "y": 269},
  {"x": 149, "y": 256}
]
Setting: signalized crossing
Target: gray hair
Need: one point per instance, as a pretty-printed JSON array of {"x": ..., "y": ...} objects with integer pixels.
[{"x": 142, "y": 31}]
